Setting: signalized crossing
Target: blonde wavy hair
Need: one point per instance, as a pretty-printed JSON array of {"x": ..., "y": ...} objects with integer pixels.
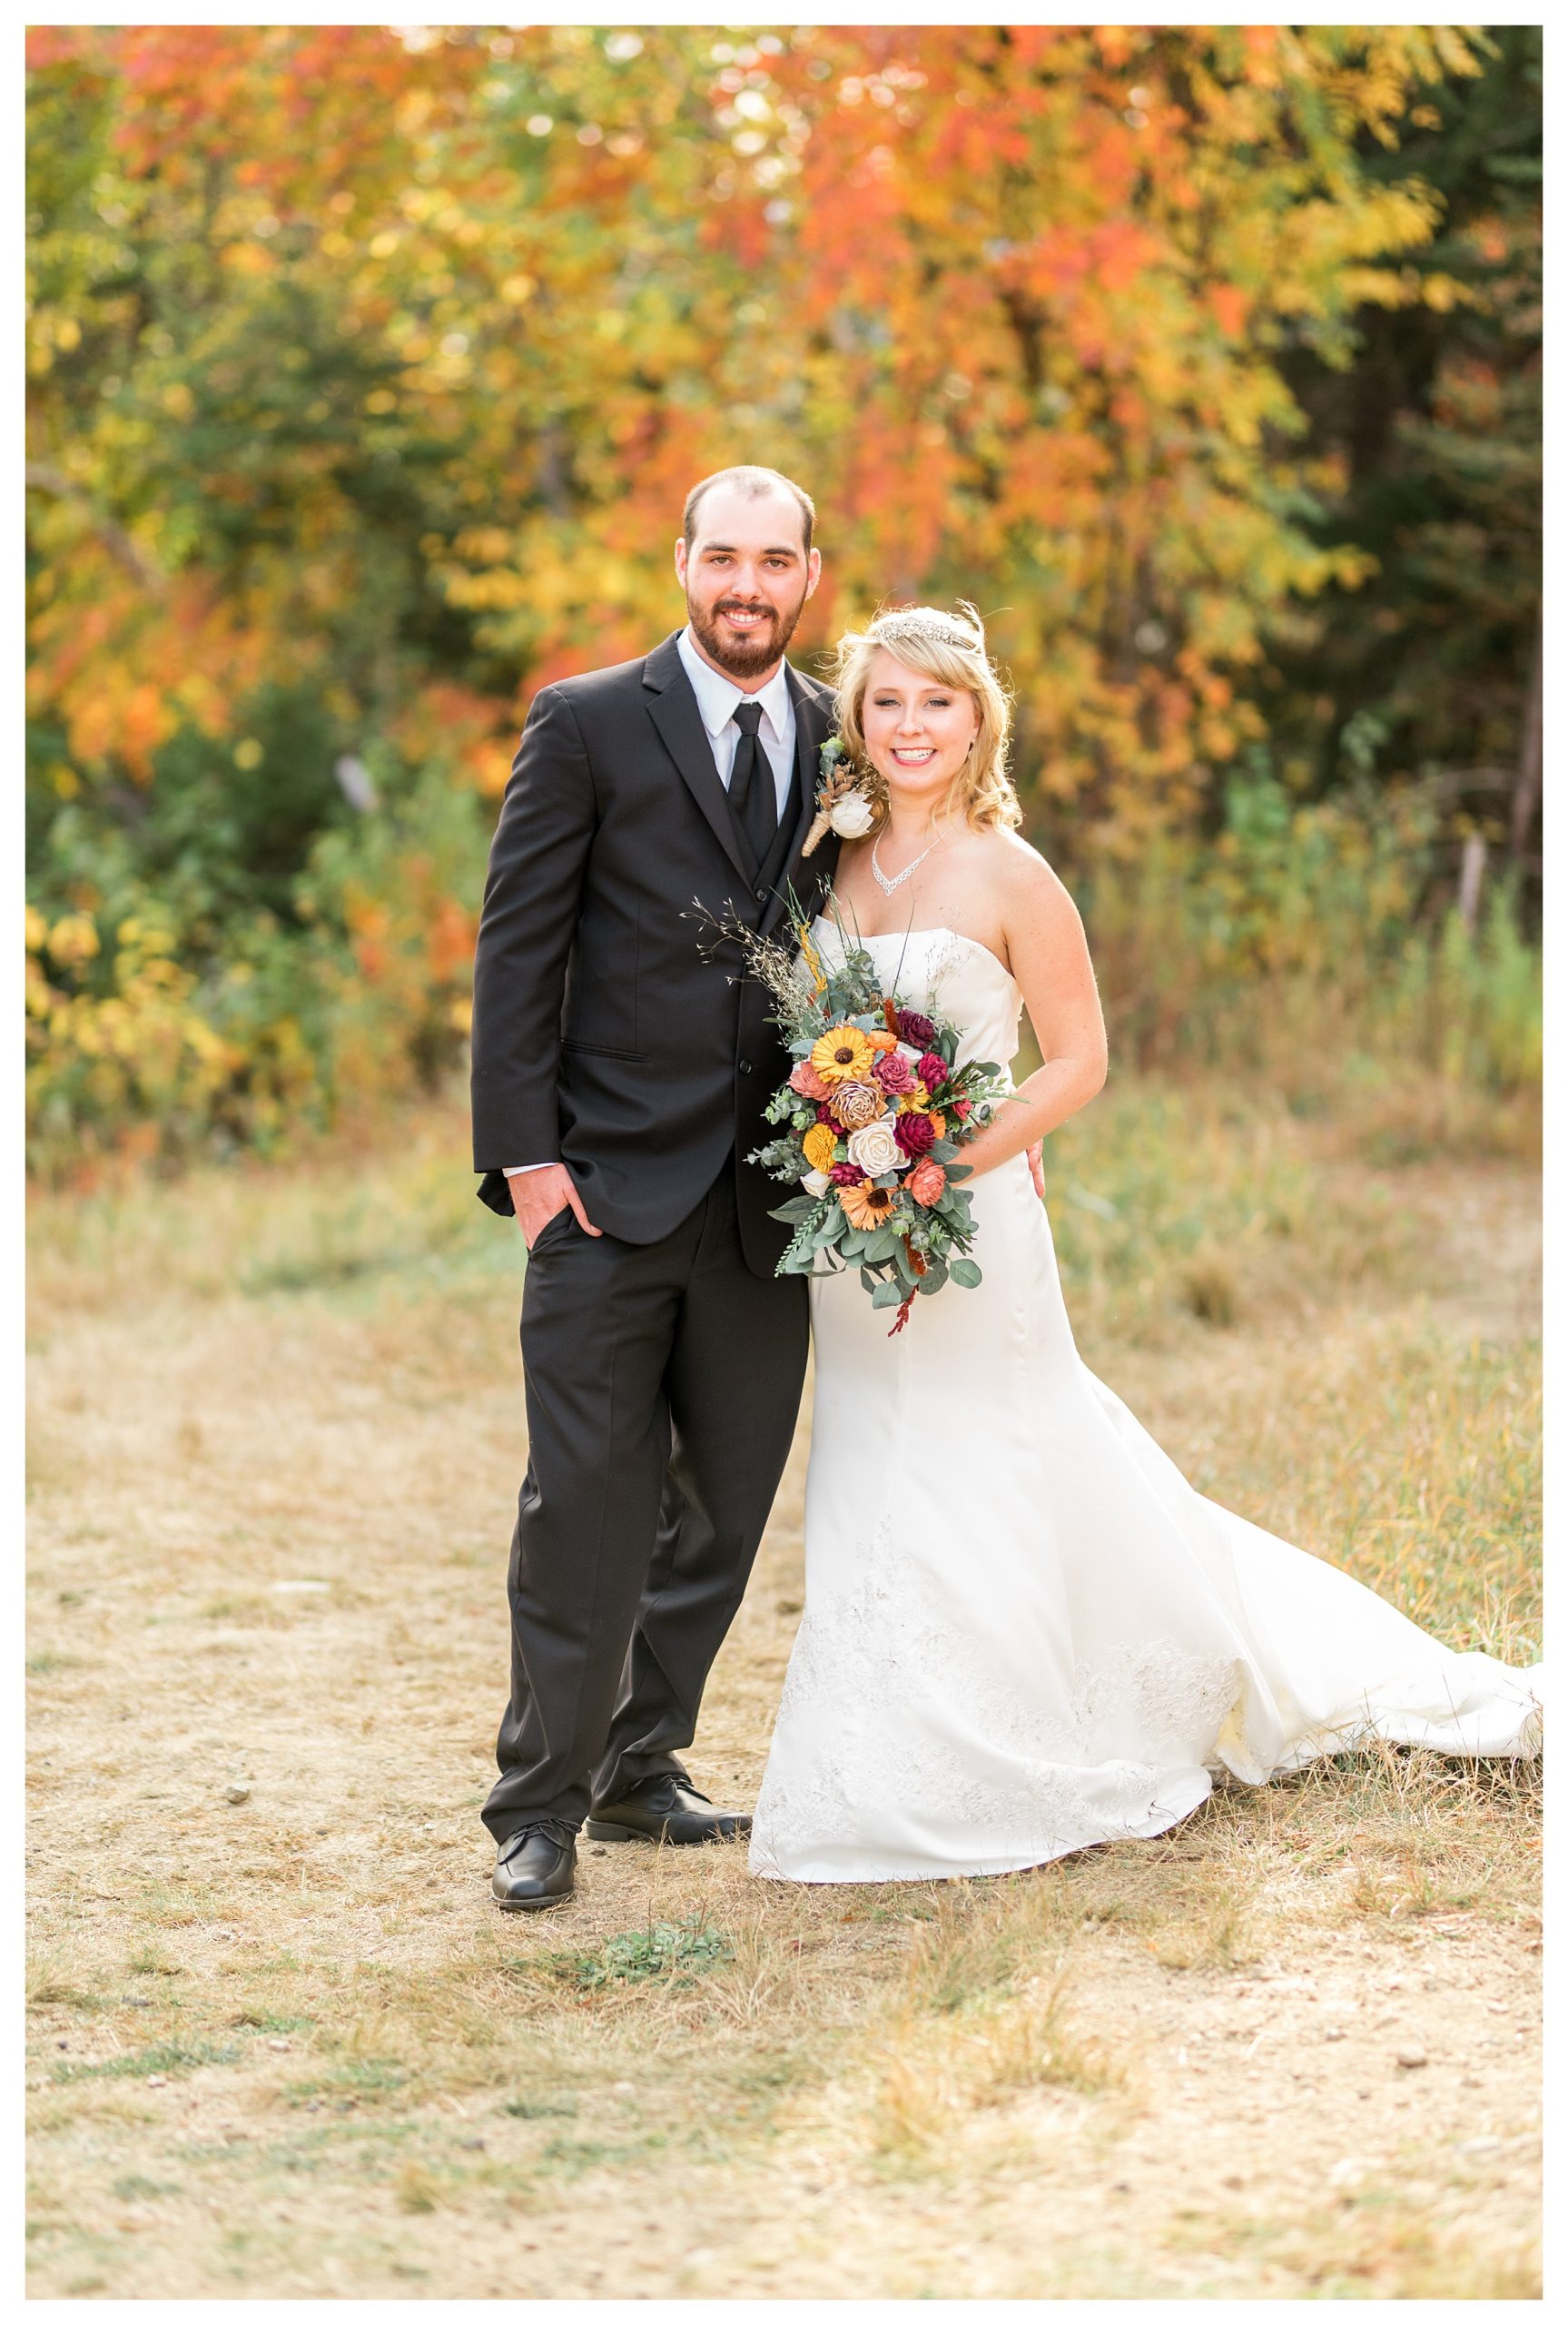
[{"x": 950, "y": 648}]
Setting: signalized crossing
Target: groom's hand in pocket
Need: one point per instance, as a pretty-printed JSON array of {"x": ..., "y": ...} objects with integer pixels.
[
  {"x": 1037, "y": 1167},
  {"x": 539, "y": 1195}
]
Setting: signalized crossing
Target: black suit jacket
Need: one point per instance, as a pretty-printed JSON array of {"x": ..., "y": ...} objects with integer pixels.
[{"x": 602, "y": 1038}]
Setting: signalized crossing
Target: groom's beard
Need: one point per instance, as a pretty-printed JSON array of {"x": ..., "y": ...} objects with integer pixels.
[{"x": 743, "y": 657}]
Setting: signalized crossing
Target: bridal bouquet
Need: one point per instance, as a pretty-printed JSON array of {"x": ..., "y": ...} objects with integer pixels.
[{"x": 872, "y": 1123}]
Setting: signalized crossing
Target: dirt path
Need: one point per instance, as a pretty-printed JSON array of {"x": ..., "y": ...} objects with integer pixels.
[{"x": 281, "y": 2044}]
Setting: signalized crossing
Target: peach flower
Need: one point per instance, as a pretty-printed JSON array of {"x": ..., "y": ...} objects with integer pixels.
[
  {"x": 865, "y": 1205},
  {"x": 808, "y": 1083},
  {"x": 927, "y": 1182}
]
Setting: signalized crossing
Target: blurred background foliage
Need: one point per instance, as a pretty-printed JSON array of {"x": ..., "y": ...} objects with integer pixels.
[{"x": 367, "y": 370}]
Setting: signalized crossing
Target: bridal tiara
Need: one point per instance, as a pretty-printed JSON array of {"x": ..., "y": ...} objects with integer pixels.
[{"x": 922, "y": 621}]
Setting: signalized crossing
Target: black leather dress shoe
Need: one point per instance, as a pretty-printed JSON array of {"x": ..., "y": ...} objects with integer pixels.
[
  {"x": 535, "y": 1868},
  {"x": 666, "y": 1808}
]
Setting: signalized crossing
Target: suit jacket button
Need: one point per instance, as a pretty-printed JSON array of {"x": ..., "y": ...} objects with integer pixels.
[
  {"x": 762, "y": 896},
  {"x": 746, "y": 1066}
]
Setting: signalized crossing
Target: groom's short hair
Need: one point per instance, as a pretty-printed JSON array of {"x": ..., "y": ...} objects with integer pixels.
[{"x": 755, "y": 483}]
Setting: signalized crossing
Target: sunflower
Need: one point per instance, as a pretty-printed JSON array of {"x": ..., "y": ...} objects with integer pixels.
[
  {"x": 865, "y": 1205},
  {"x": 843, "y": 1055},
  {"x": 913, "y": 1102},
  {"x": 820, "y": 1146}
]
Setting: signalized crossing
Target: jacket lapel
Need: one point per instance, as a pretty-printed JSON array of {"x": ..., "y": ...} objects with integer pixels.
[
  {"x": 813, "y": 725},
  {"x": 673, "y": 710}
]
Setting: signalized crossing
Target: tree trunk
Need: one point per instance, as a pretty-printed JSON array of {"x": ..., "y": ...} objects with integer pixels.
[{"x": 1471, "y": 867}]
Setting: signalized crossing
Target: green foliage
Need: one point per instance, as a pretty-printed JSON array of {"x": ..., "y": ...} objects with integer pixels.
[
  {"x": 367, "y": 369},
  {"x": 1434, "y": 413},
  {"x": 1295, "y": 943},
  {"x": 159, "y": 2058},
  {"x": 671, "y": 1951},
  {"x": 209, "y": 1018}
]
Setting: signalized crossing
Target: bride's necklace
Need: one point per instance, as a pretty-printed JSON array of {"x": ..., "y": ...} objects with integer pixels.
[{"x": 883, "y": 883}]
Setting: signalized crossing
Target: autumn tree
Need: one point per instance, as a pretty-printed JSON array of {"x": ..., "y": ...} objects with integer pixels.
[{"x": 367, "y": 371}]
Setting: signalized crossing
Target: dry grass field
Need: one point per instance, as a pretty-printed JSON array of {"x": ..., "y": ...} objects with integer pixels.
[{"x": 281, "y": 2042}]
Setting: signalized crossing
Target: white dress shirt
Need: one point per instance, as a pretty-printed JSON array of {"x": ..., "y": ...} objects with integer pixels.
[{"x": 716, "y": 698}]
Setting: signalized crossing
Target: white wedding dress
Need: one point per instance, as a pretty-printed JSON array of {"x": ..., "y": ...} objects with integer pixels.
[{"x": 1024, "y": 1631}]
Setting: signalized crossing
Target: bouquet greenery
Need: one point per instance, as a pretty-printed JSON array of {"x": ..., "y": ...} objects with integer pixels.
[{"x": 872, "y": 1123}]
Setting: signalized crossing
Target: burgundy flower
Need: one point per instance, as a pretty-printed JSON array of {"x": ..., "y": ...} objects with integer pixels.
[
  {"x": 918, "y": 1030},
  {"x": 932, "y": 1070},
  {"x": 824, "y": 1113},
  {"x": 961, "y": 1108},
  {"x": 894, "y": 1073},
  {"x": 916, "y": 1133},
  {"x": 845, "y": 1174}
]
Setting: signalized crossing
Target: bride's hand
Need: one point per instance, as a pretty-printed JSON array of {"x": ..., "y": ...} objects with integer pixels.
[{"x": 1037, "y": 1167}]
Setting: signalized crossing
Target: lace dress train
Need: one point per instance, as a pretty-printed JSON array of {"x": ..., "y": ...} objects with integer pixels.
[{"x": 1024, "y": 1631}]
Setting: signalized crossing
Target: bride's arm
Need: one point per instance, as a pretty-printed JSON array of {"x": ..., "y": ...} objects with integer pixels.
[{"x": 1049, "y": 958}]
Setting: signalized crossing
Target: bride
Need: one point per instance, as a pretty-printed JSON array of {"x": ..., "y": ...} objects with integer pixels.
[{"x": 1076, "y": 1657}]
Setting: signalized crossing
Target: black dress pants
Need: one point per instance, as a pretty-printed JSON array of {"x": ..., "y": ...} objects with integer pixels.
[{"x": 663, "y": 1381}]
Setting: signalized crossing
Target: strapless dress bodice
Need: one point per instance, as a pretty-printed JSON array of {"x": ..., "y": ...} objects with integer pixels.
[{"x": 945, "y": 974}]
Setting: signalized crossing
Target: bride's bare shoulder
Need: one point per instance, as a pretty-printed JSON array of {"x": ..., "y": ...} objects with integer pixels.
[{"x": 1023, "y": 877}]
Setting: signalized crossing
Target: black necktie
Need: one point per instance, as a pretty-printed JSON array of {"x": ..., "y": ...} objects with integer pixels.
[{"x": 751, "y": 792}]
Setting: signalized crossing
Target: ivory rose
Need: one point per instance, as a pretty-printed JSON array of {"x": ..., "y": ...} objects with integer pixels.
[
  {"x": 874, "y": 1150},
  {"x": 850, "y": 818}
]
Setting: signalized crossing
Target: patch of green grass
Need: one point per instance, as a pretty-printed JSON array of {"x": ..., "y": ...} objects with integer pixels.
[
  {"x": 160, "y": 2058},
  {"x": 147, "y": 1962},
  {"x": 135, "y": 2187},
  {"x": 674, "y": 1951},
  {"x": 571, "y": 2158},
  {"x": 356, "y": 2078},
  {"x": 533, "y": 2111}
]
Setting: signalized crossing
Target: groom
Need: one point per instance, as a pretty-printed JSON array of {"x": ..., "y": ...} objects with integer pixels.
[{"x": 618, "y": 1083}]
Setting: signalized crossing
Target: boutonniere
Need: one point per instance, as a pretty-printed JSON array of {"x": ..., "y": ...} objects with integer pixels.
[{"x": 845, "y": 801}]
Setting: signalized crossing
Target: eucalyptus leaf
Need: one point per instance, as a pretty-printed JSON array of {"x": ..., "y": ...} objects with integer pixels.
[
  {"x": 887, "y": 1295},
  {"x": 965, "y": 1272},
  {"x": 800, "y": 1207}
]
